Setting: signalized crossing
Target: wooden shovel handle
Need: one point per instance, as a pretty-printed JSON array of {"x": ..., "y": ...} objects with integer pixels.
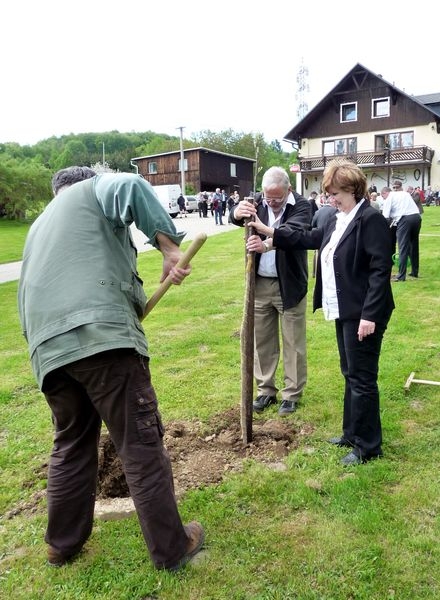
[{"x": 192, "y": 249}]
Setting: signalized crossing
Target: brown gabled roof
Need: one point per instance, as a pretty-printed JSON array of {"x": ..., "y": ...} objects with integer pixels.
[
  {"x": 198, "y": 149},
  {"x": 355, "y": 77}
]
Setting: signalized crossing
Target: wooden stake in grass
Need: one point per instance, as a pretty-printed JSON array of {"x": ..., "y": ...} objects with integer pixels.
[{"x": 247, "y": 341}]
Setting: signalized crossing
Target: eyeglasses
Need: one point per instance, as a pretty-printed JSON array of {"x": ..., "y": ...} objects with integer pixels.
[{"x": 275, "y": 200}]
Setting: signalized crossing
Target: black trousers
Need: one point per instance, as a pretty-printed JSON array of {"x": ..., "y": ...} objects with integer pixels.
[
  {"x": 359, "y": 362},
  {"x": 114, "y": 387},
  {"x": 408, "y": 231}
]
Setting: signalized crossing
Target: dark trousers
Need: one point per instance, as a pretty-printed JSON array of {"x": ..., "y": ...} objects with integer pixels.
[
  {"x": 114, "y": 387},
  {"x": 218, "y": 213},
  {"x": 408, "y": 231},
  {"x": 360, "y": 367}
]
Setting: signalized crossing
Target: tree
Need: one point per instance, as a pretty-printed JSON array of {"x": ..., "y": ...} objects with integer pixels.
[{"x": 25, "y": 188}]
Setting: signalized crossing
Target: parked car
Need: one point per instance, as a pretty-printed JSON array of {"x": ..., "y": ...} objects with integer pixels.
[{"x": 191, "y": 204}]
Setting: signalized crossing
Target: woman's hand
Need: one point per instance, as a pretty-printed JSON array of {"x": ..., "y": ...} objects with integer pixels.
[{"x": 261, "y": 227}]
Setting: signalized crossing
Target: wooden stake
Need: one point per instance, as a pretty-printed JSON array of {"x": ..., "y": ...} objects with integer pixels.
[{"x": 247, "y": 342}]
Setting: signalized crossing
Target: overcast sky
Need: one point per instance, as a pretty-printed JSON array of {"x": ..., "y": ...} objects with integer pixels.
[{"x": 76, "y": 66}]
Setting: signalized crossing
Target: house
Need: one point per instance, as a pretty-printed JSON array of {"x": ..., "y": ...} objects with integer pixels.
[
  {"x": 204, "y": 170},
  {"x": 388, "y": 133}
]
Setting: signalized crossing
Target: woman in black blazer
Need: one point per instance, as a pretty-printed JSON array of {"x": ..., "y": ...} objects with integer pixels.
[{"x": 353, "y": 289}]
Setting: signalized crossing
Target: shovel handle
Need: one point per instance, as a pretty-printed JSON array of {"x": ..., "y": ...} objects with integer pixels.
[{"x": 185, "y": 259}]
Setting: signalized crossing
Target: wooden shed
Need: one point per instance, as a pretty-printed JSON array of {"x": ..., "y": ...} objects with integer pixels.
[{"x": 204, "y": 170}]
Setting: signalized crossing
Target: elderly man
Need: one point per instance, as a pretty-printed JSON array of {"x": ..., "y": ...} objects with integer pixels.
[
  {"x": 81, "y": 303},
  {"x": 280, "y": 291}
]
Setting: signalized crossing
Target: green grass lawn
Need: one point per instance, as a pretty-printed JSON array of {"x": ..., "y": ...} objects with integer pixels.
[
  {"x": 313, "y": 531},
  {"x": 12, "y": 236}
]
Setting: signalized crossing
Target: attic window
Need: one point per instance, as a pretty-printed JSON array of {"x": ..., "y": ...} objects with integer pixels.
[
  {"x": 380, "y": 107},
  {"x": 349, "y": 112}
]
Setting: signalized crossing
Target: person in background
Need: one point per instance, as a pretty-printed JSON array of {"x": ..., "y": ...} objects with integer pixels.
[
  {"x": 385, "y": 192},
  {"x": 200, "y": 204},
  {"x": 400, "y": 208},
  {"x": 205, "y": 200},
  {"x": 421, "y": 193},
  {"x": 373, "y": 200},
  {"x": 313, "y": 205},
  {"x": 353, "y": 289},
  {"x": 217, "y": 206},
  {"x": 280, "y": 290},
  {"x": 380, "y": 201},
  {"x": 81, "y": 303},
  {"x": 182, "y": 207},
  {"x": 324, "y": 213},
  {"x": 415, "y": 195},
  {"x": 224, "y": 202}
]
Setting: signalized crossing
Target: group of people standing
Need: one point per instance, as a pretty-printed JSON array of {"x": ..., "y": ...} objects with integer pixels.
[
  {"x": 81, "y": 304},
  {"x": 352, "y": 288},
  {"x": 216, "y": 203}
]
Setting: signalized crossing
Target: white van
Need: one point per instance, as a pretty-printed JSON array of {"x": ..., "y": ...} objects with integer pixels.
[{"x": 168, "y": 195}]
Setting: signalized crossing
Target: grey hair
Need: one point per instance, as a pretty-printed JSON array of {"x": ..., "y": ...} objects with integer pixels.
[
  {"x": 66, "y": 177},
  {"x": 275, "y": 177}
]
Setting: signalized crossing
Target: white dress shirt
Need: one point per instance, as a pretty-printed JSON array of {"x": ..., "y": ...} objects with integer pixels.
[{"x": 329, "y": 297}]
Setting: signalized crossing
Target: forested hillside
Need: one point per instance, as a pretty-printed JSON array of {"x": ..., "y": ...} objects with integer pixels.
[{"x": 26, "y": 171}]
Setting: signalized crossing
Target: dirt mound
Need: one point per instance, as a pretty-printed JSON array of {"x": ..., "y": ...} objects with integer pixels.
[{"x": 202, "y": 453}]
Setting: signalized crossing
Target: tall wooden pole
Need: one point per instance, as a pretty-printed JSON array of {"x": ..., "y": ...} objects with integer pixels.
[{"x": 247, "y": 342}]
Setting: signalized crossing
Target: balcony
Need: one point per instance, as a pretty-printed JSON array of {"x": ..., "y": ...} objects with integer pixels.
[{"x": 416, "y": 155}]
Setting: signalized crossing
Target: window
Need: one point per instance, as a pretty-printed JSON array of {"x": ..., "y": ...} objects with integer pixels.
[
  {"x": 233, "y": 168},
  {"x": 348, "y": 112},
  {"x": 152, "y": 168},
  {"x": 400, "y": 140},
  {"x": 340, "y": 147},
  {"x": 380, "y": 107},
  {"x": 185, "y": 165}
]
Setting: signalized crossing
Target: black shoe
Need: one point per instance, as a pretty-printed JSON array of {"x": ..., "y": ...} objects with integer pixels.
[
  {"x": 340, "y": 441},
  {"x": 414, "y": 276},
  {"x": 262, "y": 402},
  {"x": 352, "y": 459},
  {"x": 287, "y": 407}
]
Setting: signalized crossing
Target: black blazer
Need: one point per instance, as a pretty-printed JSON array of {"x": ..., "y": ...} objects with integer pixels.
[
  {"x": 362, "y": 265},
  {"x": 291, "y": 262}
]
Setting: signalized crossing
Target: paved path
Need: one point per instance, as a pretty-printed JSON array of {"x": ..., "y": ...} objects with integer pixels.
[{"x": 192, "y": 224}]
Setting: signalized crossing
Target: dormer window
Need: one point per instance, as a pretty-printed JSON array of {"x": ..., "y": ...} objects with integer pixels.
[
  {"x": 380, "y": 107},
  {"x": 348, "y": 112}
]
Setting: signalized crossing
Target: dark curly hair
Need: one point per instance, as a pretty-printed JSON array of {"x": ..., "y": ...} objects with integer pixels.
[{"x": 69, "y": 176}]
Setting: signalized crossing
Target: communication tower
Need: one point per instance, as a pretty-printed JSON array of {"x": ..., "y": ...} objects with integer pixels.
[{"x": 302, "y": 89}]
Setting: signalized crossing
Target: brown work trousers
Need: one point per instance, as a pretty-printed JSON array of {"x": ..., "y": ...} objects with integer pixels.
[{"x": 113, "y": 387}]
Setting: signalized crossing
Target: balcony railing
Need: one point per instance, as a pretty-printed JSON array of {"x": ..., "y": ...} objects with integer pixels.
[{"x": 420, "y": 155}]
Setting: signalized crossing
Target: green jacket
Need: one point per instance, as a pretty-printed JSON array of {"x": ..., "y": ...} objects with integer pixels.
[{"x": 79, "y": 290}]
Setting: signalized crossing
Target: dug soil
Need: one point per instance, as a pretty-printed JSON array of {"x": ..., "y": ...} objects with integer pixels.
[{"x": 201, "y": 454}]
